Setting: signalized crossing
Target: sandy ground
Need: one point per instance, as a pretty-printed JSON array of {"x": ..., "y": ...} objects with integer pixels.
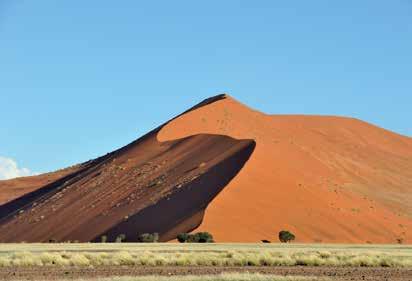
[{"x": 343, "y": 274}]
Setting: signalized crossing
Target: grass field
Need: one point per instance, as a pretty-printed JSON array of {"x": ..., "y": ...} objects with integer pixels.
[{"x": 168, "y": 254}]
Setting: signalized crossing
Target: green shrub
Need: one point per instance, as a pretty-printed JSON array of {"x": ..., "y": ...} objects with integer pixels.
[
  {"x": 286, "y": 236},
  {"x": 148, "y": 238},
  {"x": 204, "y": 237},
  {"x": 120, "y": 238},
  {"x": 183, "y": 237},
  {"x": 200, "y": 237},
  {"x": 103, "y": 239}
]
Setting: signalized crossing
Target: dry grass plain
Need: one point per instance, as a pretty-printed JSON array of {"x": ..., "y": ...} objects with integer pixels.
[
  {"x": 124, "y": 254},
  {"x": 197, "y": 262}
]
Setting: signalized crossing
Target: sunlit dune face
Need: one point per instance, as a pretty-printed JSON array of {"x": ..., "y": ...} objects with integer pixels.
[{"x": 328, "y": 179}]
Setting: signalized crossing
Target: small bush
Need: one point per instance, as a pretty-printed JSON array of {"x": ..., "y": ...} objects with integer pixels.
[
  {"x": 286, "y": 236},
  {"x": 103, "y": 239},
  {"x": 120, "y": 238},
  {"x": 183, "y": 237},
  {"x": 148, "y": 238},
  {"x": 200, "y": 237},
  {"x": 204, "y": 237}
]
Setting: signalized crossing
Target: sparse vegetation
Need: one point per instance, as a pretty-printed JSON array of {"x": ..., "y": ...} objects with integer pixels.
[
  {"x": 148, "y": 238},
  {"x": 92, "y": 254},
  {"x": 198, "y": 257},
  {"x": 103, "y": 239},
  {"x": 286, "y": 236}
]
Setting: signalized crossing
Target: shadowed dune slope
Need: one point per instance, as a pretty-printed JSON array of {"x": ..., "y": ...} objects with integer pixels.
[
  {"x": 145, "y": 187},
  {"x": 327, "y": 179},
  {"x": 14, "y": 188}
]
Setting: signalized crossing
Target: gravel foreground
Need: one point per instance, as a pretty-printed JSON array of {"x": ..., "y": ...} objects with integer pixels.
[{"x": 329, "y": 273}]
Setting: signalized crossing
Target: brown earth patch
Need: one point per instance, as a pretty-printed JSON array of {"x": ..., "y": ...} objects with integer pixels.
[{"x": 334, "y": 273}]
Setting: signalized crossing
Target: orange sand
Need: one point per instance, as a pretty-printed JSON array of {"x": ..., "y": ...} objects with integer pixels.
[{"x": 326, "y": 179}]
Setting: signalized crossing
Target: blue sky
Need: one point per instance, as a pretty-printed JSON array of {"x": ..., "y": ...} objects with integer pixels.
[{"x": 81, "y": 78}]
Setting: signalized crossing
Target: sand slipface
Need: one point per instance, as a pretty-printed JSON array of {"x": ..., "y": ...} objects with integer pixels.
[
  {"x": 238, "y": 173},
  {"x": 326, "y": 179}
]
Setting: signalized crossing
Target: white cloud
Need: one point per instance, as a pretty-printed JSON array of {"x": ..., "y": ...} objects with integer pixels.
[{"x": 9, "y": 169}]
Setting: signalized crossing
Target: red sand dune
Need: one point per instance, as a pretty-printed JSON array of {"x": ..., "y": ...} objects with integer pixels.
[
  {"x": 145, "y": 187},
  {"x": 327, "y": 179},
  {"x": 11, "y": 189}
]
